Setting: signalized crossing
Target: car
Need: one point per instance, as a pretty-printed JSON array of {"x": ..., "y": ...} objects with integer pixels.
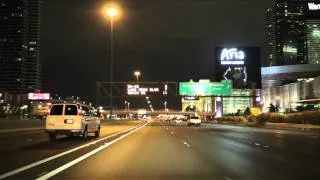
[
  {"x": 178, "y": 121},
  {"x": 72, "y": 119},
  {"x": 194, "y": 120}
]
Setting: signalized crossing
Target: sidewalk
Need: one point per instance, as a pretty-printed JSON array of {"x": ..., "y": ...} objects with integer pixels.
[
  {"x": 305, "y": 127},
  {"x": 288, "y": 126}
]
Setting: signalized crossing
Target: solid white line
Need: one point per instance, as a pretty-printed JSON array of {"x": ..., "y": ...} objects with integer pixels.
[
  {"x": 76, "y": 161},
  {"x": 26, "y": 167}
]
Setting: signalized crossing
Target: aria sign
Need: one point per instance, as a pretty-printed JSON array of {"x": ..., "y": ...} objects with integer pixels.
[
  {"x": 313, "y": 6},
  {"x": 232, "y": 56}
]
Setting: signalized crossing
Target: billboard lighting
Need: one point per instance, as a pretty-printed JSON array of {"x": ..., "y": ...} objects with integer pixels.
[
  {"x": 231, "y": 54},
  {"x": 313, "y": 6}
]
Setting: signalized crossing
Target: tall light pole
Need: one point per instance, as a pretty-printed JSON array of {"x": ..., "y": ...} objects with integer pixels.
[
  {"x": 165, "y": 106},
  {"x": 137, "y": 74},
  {"x": 111, "y": 13}
]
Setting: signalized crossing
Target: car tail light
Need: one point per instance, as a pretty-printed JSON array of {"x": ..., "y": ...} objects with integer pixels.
[{"x": 80, "y": 112}]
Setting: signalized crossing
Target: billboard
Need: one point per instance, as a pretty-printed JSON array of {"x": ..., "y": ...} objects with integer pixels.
[
  {"x": 147, "y": 89},
  {"x": 205, "y": 88},
  {"x": 241, "y": 65},
  {"x": 38, "y": 96}
]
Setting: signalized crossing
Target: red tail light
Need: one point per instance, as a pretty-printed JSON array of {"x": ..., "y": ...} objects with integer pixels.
[{"x": 80, "y": 112}]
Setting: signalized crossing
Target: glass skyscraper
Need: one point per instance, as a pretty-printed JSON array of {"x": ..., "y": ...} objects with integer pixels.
[
  {"x": 285, "y": 33},
  {"x": 20, "y": 67}
]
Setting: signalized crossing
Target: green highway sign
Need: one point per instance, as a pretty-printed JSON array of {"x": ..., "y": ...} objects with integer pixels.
[{"x": 205, "y": 88}]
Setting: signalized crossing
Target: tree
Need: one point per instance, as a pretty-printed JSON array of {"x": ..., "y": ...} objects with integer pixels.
[
  {"x": 272, "y": 108},
  {"x": 247, "y": 112}
]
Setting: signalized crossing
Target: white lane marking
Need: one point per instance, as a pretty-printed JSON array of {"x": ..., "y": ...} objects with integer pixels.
[
  {"x": 185, "y": 143},
  {"x": 26, "y": 167},
  {"x": 257, "y": 144},
  {"x": 76, "y": 161},
  {"x": 227, "y": 178},
  {"x": 266, "y": 146},
  {"x": 43, "y": 173}
]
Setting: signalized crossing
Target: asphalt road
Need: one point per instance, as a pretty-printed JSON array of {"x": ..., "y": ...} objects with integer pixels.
[{"x": 160, "y": 151}]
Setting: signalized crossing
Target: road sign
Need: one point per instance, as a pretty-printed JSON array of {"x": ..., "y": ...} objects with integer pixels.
[{"x": 205, "y": 88}]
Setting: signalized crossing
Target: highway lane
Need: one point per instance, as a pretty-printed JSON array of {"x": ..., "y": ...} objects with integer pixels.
[
  {"x": 207, "y": 152},
  {"x": 23, "y": 147},
  {"x": 161, "y": 151}
]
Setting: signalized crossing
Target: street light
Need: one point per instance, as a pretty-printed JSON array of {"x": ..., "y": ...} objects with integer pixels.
[
  {"x": 137, "y": 74},
  {"x": 111, "y": 12}
]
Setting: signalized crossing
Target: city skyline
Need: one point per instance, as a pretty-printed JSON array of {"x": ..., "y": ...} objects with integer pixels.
[{"x": 173, "y": 35}]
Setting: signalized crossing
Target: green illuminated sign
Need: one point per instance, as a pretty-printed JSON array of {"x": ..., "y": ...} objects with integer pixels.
[
  {"x": 205, "y": 88},
  {"x": 316, "y": 33}
]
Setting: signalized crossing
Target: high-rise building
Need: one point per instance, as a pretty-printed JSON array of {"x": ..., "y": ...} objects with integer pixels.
[
  {"x": 285, "y": 33},
  {"x": 313, "y": 41},
  {"x": 20, "y": 67}
]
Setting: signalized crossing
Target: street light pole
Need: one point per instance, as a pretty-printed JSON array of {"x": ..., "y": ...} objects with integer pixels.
[
  {"x": 165, "y": 106},
  {"x": 111, "y": 65}
]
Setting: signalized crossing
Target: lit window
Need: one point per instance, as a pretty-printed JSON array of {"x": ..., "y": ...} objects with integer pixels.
[
  {"x": 3, "y": 4},
  {"x": 18, "y": 79},
  {"x": 5, "y": 18},
  {"x": 19, "y": 59},
  {"x": 31, "y": 49},
  {"x": 32, "y": 42},
  {"x": 19, "y": 31}
]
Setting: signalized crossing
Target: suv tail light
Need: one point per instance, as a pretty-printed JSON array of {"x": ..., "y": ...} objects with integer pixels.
[{"x": 80, "y": 113}]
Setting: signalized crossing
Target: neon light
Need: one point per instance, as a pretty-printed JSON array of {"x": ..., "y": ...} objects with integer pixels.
[
  {"x": 225, "y": 73},
  {"x": 245, "y": 74},
  {"x": 313, "y": 6},
  {"x": 232, "y": 62},
  {"x": 289, "y": 49},
  {"x": 38, "y": 96},
  {"x": 316, "y": 33},
  {"x": 231, "y": 54}
]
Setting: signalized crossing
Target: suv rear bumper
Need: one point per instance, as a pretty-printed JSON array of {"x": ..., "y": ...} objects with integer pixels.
[{"x": 64, "y": 131}]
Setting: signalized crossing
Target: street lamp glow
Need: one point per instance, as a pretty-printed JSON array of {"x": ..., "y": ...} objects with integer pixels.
[
  {"x": 137, "y": 74},
  {"x": 112, "y": 12}
]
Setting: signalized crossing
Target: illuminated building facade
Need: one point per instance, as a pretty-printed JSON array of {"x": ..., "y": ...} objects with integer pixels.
[
  {"x": 292, "y": 32},
  {"x": 313, "y": 43},
  {"x": 20, "y": 68}
]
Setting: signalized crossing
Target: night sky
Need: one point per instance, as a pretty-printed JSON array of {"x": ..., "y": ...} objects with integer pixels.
[{"x": 167, "y": 40}]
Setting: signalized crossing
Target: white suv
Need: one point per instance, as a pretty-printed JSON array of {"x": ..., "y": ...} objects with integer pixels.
[
  {"x": 72, "y": 119},
  {"x": 194, "y": 120}
]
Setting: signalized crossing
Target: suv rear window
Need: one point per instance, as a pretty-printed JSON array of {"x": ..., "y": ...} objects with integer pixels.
[
  {"x": 71, "y": 110},
  {"x": 194, "y": 117},
  {"x": 56, "y": 110}
]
